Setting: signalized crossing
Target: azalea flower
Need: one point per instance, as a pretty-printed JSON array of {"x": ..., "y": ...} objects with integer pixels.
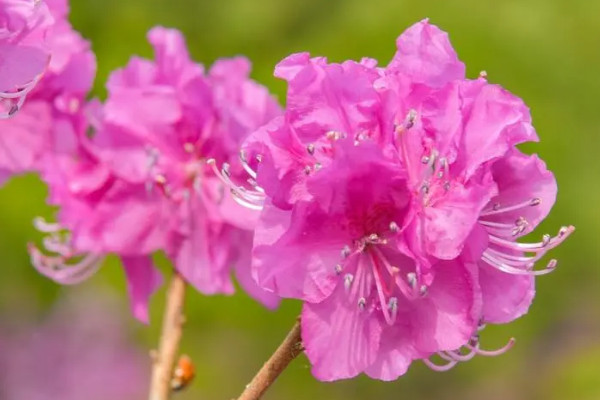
[
  {"x": 388, "y": 200},
  {"x": 141, "y": 183},
  {"x": 54, "y": 114},
  {"x": 23, "y": 52}
]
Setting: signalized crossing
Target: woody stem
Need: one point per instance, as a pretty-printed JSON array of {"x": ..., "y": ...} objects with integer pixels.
[
  {"x": 289, "y": 349},
  {"x": 172, "y": 328}
]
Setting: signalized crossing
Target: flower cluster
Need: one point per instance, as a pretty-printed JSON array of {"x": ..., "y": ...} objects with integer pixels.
[
  {"x": 141, "y": 183},
  {"x": 23, "y": 51},
  {"x": 54, "y": 111},
  {"x": 393, "y": 200}
]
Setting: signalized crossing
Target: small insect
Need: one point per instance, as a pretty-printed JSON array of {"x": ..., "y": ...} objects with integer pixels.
[{"x": 184, "y": 373}]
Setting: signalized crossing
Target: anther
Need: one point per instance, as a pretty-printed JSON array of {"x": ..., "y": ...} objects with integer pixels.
[
  {"x": 310, "y": 149},
  {"x": 362, "y": 302},
  {"x": 483, "y": 74},
  {"x": 307, "y": 170},
  {"x": 411, "y": 277},
  {"x": 188, "y": 147},
  {"x": 394, "y": 227},
  {"x": 338, "y": 269},
  {"x": 333, "y": 135},
  {"x": 317, "y": 166},
  {"x": 373, "y": 237},
  {"x": 425, "y": 159},
  {"x": 346, "y": 251},
  {"x": 535, "y": 201},
  {"x": 393, "y": 304},
  {"x": 423, "y": 290},
  {"x": 410, "y": 118},
  {"x": 348, "y": 278},
  {"x": 546, "y": 239},
  {"x": 160, "y": 179}
]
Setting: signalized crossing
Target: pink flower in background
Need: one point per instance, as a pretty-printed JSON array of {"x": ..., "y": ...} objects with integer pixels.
[
  {"x": 23, "y": 51},
  {"x": 80, "y": 351},
  {"x": 54, "y": 115},
  {"x": 389, "y": 198},
  {"x": 141, "y": 183}
]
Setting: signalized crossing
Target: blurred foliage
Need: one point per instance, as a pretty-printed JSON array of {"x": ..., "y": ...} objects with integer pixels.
[{"x": 546, "y": 51}]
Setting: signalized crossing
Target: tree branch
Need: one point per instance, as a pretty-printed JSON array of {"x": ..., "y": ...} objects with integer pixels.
[
  {"x": 165, "y": 357},
  {"x": 285, "y": 353}
]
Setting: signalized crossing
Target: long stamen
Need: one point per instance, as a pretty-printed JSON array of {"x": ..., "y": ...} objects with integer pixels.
[
  {"x": 245, "y": 165},
  {"x": 390, "y": 318},
  {"x": 252, "y": 199},
  {"x": 492, "y": 353},
  {"x": 12, "y": 101},
  {"x": 504, "y": 267},
  {"x": 498, "y": 209},
  {"x": 57, "y": 269},
  {"x": 546, "y": 244},
  {"x": 46, "y": 227},
  {"x": 439, "y": 368}
]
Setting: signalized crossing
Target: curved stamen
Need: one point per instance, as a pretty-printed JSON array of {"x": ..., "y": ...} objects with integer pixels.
[
  {"x": 502, "y": 266},
  {"x": 457, "y": 356},
  {"x": 46, "y": 227},
  {"x": 515, "y": 260},
  {"x": 439, "y": 368},
  {"x": 54, "y": 244},
  {"x": 492, "y": 353},
  {"x": 245, "y": 165},
  {"x": 410, "y": 292},
  {"x": 57, "y": 268},
  {"x": 252, "y": 199},
  {"x": 544, "y": 245},
  {"x": 12, "y": 101},
  {"x": 498, "y": 209}
]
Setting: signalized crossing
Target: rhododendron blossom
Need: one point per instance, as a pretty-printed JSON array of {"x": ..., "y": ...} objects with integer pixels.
[
  {"x": 54, "y": 113},
  {"x": 142, "y": 184},
  {"x": 23, "y": 52},
  {"x": 392, "y": 200}
]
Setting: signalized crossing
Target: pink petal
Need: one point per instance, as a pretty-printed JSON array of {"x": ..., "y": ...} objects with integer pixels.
[
  {"x": 142, "y": 281},
  {"x": 396, "y": 353},
  {"x": 426, "y": 56},
  {"x": 291, "y": 263},
  {"x": 506, "y": 297},
  {"x": 19, "y": 65},
  {"x": 447, "y": 317},
  {"x": 521, "y": 179},
  {"x": 340, "y": 340}
]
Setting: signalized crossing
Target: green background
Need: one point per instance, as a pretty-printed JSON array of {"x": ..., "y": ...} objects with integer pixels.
[{"x": 547, "y": 52}]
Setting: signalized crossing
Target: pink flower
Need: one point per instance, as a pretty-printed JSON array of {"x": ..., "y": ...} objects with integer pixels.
[
  {"x": 141, "y": 184},
  {"x": 54, "y": 113},
  {"x": 23, "y": 52},
  {"x": 378, "y": 189}
]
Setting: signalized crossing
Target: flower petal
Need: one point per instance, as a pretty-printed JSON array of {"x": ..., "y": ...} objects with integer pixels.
[
  {"x": 340, "y": 340},
  {"x": 142, "y": 281},
  {"x": 426, "y": 55}
]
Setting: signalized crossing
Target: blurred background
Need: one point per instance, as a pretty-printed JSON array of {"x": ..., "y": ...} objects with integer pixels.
[{"x": 73, "y": 340}]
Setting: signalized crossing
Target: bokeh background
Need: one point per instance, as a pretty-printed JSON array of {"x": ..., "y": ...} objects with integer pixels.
[{"x": 546, "y": 51}]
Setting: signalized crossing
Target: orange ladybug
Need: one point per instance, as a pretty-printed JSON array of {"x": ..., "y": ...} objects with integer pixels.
[{"x": 183, "y": 374}]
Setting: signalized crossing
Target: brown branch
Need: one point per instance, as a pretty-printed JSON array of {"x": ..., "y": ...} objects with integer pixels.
[
  {"x": 285, "y": 353},
  {"x": 165, "y": 357}
]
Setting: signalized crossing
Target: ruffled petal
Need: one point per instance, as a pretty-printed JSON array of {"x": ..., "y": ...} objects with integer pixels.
[
  {"x": 426, "y": 56},
  {"x": 340, "y": 340}
]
